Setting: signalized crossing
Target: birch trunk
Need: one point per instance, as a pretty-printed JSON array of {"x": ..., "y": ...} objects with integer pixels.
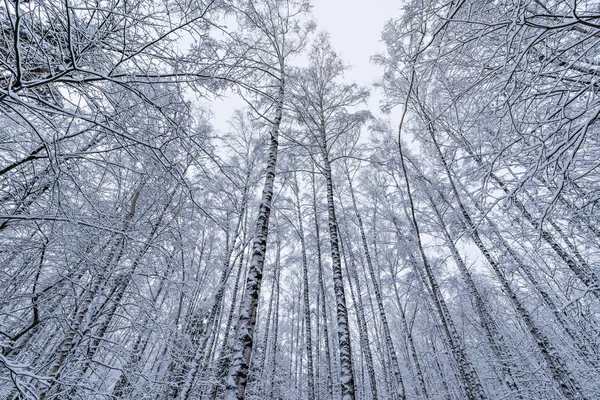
[
  {"x": 357, "y": 300},
  {"x": 494, "y": 337},
  {"x": 422, "y": 390},
  {"x": 70, "y": 341},
  {"x": 343, "y": 330},
  {"x": 238, "y": 374},
  {"x": 329, "y": 370},
  {"x": 274, "y": 342},
  {"x": 306, "y": 298},
  {"x": 567, "y": 384},
  {"x": 399, "y": 384},
  {"x": 586, "y": 352},
  {"x": 581, "y": 269},
  {"x": 472, "y": 386}
]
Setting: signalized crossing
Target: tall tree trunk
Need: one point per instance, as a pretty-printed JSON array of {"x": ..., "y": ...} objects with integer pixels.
[
  {"x": 329, "y": 370},
  {"x": 568, "y": 385},
  {"x": 306, "y": 298},
  {"x": 581, "y": 343},
  {"x": 494, "y": 337},
  {"x": 363, "y": 330},
  {"x": 343, "y": 330},
  {"x": 580, "y": 269},
  {"x": 422, "y": 390},
  {"x": 238, "y": 374},
  {"x": 274, "y": 343},
  {"x": 122, "y": 283},
  {"x": 222, "y": 366},
  {"x": 70, "y": 341},
  {"x": 399, "y": 384},
  {"x": 206, "y": 340},
  {"x": 473, "y": 388},
  {"x": 124, "y": 385}
]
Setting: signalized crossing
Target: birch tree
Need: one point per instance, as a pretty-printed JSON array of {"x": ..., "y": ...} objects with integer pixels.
[
  {"x": 276, "y": 33},
  {"x": 325, "y": 108}
]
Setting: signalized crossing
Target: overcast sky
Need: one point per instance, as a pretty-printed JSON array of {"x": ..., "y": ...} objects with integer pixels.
[
  {"x": 355, "y": 32},
  {"x": 355, "y": 28}
]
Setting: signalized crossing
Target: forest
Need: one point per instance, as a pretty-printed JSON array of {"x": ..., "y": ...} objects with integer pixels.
[{"x": 441, "y": 245}]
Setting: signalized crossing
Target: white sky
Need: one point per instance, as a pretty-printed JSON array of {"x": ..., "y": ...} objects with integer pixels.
[
  {"x": 355, "y": 28},
  {"x": 355, "y": 31}
]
